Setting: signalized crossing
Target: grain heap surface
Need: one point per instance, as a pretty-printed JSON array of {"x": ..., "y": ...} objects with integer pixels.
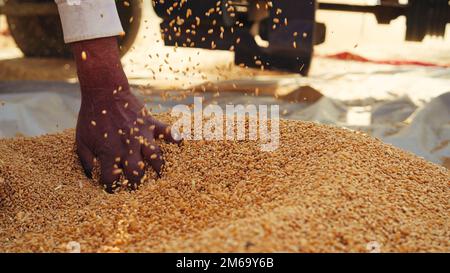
[{"x": 324, "y": 189}]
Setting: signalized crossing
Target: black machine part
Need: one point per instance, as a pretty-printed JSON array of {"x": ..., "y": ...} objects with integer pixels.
[
  {"x": 427, "y": 17},
  {"x": 281, "y": 34},
  {"x": 423, "y": 17},
  {"x": 36, "y": 27},
  {"x": 265, "y": 34}
]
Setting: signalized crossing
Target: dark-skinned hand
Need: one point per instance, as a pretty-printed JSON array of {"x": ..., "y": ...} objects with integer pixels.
[{"x": 113, "y": 126}]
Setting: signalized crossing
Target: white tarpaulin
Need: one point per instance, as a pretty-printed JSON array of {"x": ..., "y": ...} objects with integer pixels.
[{"x": 33, "y": 108}]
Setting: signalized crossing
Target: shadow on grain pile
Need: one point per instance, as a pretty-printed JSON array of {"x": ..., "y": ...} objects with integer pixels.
[{"x": 324, "y": 189}]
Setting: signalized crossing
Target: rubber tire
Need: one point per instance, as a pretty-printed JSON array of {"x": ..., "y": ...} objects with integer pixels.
[
  {"x": 299, "y": 62},
  {"x": 42, "y": 36}
]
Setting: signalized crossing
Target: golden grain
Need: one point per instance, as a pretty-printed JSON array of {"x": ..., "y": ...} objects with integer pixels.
[{"x": 324, "y": 189}]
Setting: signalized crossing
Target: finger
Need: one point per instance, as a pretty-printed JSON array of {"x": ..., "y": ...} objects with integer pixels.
[
  {"x": 134, "y": 168},
  {"x": 110, "y": 173},
  {"x": 86, "y": 158},
  {"x": 153, "y": 154},
  {"x": 164, "y": 132}
]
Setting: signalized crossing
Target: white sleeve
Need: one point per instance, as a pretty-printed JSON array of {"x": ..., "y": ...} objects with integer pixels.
[{"x": 88, "y": 19}]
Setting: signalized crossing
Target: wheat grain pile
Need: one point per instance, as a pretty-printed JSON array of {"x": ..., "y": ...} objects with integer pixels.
[{"x": 324, "y": 189}]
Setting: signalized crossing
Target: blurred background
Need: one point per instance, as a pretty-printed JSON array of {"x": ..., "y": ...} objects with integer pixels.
[{"x": 364, "y": 76}]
